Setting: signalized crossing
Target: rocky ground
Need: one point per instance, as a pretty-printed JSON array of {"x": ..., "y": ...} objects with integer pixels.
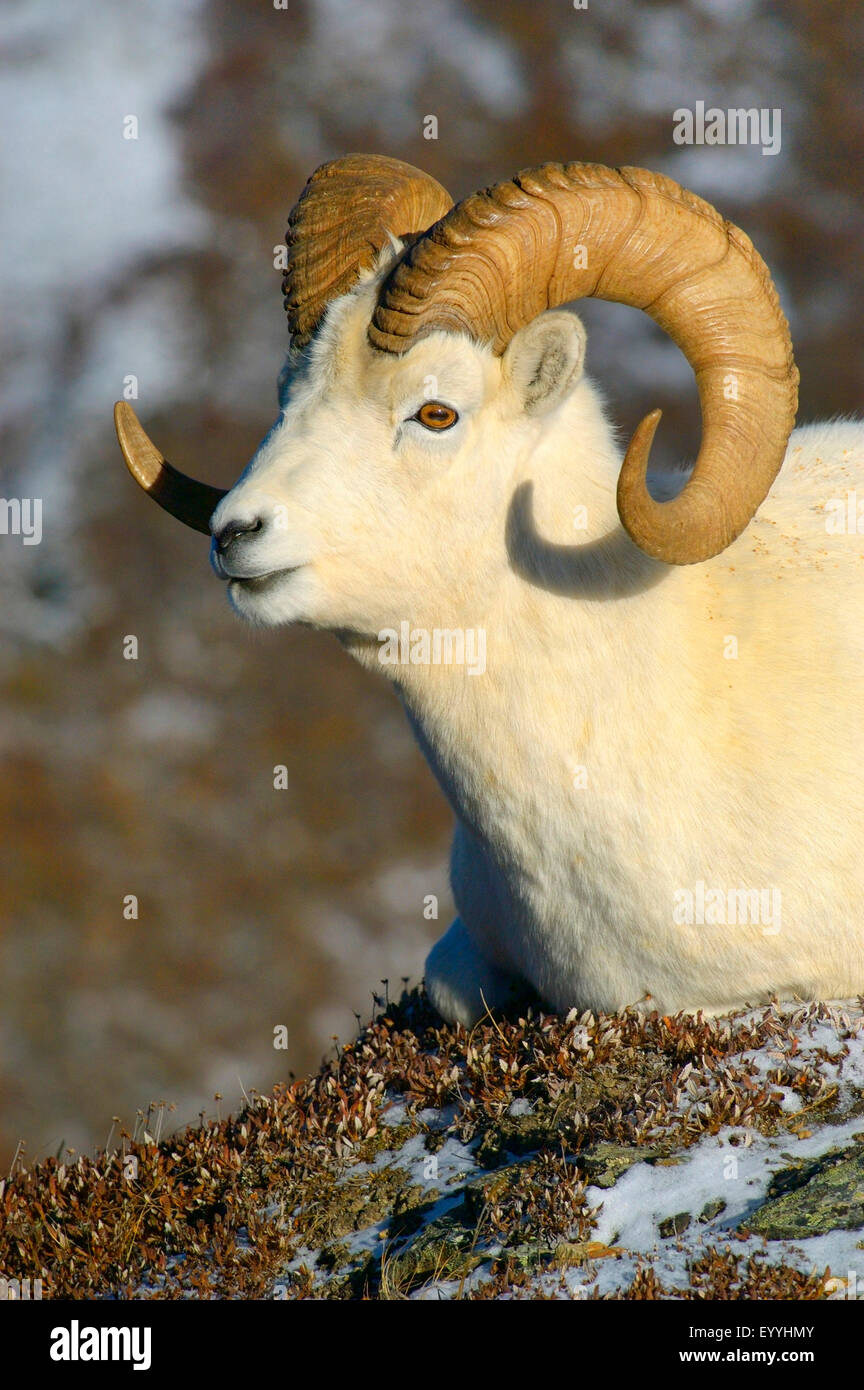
[{"x": 616, "y": 1157}]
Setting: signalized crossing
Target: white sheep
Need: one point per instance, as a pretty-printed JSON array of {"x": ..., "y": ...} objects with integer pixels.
[{"x": 655, "y": 768}]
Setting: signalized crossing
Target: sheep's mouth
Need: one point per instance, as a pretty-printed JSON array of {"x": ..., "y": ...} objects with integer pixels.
[
  {"x": 260, "y": 583},
  {"x": 250, "y": 583}
]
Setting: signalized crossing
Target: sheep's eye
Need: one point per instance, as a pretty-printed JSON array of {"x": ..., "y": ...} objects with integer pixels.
[{"x": 436, "y": 416}]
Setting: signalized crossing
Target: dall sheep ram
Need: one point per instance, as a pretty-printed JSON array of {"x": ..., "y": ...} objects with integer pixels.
[{"x": 654, "y": 767}]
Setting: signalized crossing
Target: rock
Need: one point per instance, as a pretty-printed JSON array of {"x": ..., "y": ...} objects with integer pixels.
[
  {"x": 674, "y": 1225},
  {"x": 566, "y": 1254},
  {"x": 813, "y": 1197},
  {"x": 712, "y": 1209},
  {"x": 443, "y": 1249},
  {"x": 520, "y": 1133},
  {"x": 603, "y": 1164},
  {"x": 479, "y": 1192}
]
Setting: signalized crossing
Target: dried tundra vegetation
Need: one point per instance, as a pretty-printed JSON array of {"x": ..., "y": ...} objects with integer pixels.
[{"x": 279, "y": 1196}]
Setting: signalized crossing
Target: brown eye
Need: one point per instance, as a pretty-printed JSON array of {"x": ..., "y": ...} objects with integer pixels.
[{"x": 436, "y": 416}]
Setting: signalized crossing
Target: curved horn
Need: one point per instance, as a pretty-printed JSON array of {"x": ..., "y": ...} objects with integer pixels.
[
  {"x": 191, "y": 502},
  {"x": 336, "y": 229},
  {"x": 562, "y": 232},
  {"x": 340, "y": 223}
]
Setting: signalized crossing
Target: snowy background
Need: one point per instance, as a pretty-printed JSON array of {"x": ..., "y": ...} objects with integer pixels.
[{"x": 153, "y": 257}]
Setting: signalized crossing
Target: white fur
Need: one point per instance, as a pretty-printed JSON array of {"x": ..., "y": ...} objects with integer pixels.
[{"x": 742, "y": 773}]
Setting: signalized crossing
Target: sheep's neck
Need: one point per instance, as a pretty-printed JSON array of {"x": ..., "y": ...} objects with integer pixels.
[{"x": 513, "y": 745}]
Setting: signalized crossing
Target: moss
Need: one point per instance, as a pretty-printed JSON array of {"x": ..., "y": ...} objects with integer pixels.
[
  {"x": 443, "y": 1249},
  {"x": 600, "y": 1090},
  {"x": 357, "y": 1282},
  {"x": 333, "y": 1257},
  {"x": 480, "y": 1192},
  {"x": 388, "y": 1139},
  {"x": 360, "y": 1201}
]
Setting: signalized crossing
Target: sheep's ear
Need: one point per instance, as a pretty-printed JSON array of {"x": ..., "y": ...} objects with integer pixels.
[{"x": 544, "y": 361}]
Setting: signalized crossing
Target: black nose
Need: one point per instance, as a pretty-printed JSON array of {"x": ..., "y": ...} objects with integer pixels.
[{"x": 232, "y": 529}]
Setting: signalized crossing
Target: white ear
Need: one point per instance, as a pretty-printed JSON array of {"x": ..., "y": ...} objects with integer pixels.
[{"x": 544, "y": 361}]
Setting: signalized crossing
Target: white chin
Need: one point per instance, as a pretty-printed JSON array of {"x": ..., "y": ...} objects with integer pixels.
[{"x": 269, "y": 602}]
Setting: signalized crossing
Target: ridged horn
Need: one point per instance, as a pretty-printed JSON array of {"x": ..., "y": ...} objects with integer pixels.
[
  {"x": 191, "y": 502},
  {"x": 563, "y": 232},
  {"x": 336, "y": 229},
  {"x": 340, "y": 223}
]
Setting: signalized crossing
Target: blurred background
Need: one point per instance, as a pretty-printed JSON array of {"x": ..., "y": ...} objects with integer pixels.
[{"x": 152, "y": 257}]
